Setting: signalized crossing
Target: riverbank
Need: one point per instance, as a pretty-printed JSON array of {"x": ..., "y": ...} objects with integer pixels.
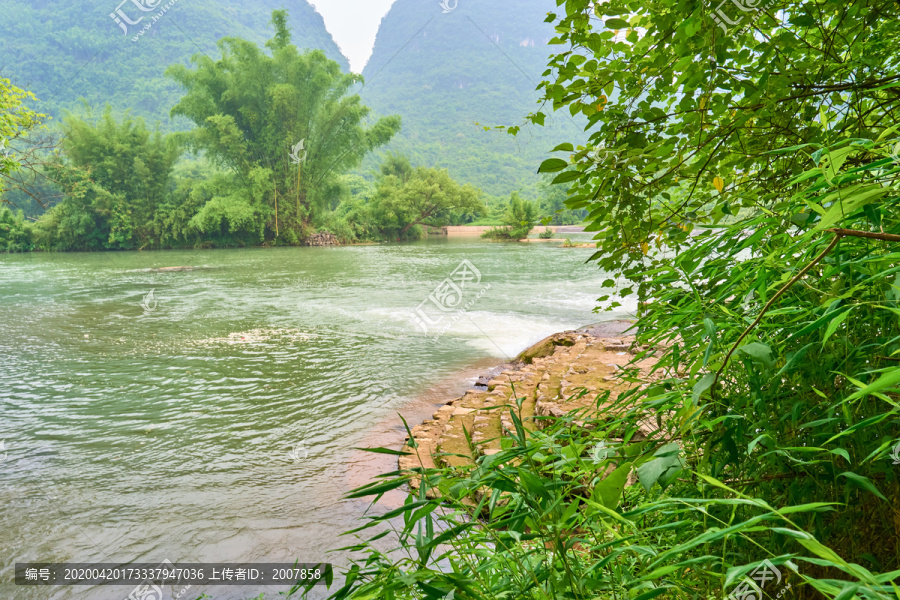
[{"x": 546, "y": 379}]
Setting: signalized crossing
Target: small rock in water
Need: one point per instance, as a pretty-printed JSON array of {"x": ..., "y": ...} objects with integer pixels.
[{"x": 87, "y": 335}]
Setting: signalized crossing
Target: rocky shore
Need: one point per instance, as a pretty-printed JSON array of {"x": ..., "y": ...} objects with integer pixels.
[{"x": 547, "y": 378}]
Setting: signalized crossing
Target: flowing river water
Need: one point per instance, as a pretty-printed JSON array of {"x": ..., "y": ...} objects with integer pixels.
[{"x": 214, "y": 419}]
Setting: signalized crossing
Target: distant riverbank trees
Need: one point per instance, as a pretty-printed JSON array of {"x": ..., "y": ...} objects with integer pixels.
[
  {"x": 284, "y": 125},
  {"x": 406, "y": 199},
  {"x": 518, "y": 220},
  {"x": 277, "y": 134}
]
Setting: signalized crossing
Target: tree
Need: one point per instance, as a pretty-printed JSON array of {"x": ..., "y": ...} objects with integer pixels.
[
  {"x": 746, "y": 183},
  {"x": 130, "y": 164},
  {"x": 553, "y": 204},
  {"x": 518, "y": 220},
  {"x": 407, "y": 197},
  {"x": 16, "y": 120},
  {"x": 676, "y": 99},
  {"x": 15, "y": 232},
  {"x": 284, "y": 125}
]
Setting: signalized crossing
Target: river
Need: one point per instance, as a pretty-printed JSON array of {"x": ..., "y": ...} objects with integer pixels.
[{"x": 209, "y": 415}]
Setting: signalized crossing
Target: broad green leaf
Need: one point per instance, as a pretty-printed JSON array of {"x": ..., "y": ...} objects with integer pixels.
[
  {"x": 552, "y": 165},
  {"x": 835, "y": 323},
  {"x": 847, "y": 202},
  {"x": 835, "y": 160},
  {"x": 817, "y": 324},
  {"x": 760, "y": 352},
  {"x": 842, "y": 453},
  {"x": 701, "y": 386},
  {"x": 887, "y": 380},
  {"x": 608, "y": 491},
  {"x": 862, "y": 482},
  {"x": 662, "y": 469}
]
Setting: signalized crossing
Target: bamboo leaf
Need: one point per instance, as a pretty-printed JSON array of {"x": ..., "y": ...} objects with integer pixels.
[{"x": 863, "y": 482}]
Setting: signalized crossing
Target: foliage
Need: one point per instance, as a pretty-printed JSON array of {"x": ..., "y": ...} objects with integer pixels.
[
  {"x": 675, "y": 101},
  {"x": 128, "y": 172},
  {"x": 787, "y": 459},
  {"x": 68, "y": 50},
  {"x": 553, "y": 204},
  {"x": 751, "y": 202},
  {"x": 248, "y": 183},
  {"x": 405, "y": 198},
  {"x": 284, "y": 124},
  {"x": 551, "y": 517},
  {"x": 546, "y": 234},
  {"x": 453, "y": 77},
  {"x": 15, "y": 234},
  {"x": 16, "y": 120},
  {"x": 518, "y": 221}
]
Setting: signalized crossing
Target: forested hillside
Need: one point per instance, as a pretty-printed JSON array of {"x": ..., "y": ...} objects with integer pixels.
[
  {"x": 90, "y": 56},
  {"x": 446, "y": 73}
]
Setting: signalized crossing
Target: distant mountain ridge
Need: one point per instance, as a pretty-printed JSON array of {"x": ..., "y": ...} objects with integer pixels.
[
  {"x": 67, "y": 50},
  {"x": 449, "y": 74}
]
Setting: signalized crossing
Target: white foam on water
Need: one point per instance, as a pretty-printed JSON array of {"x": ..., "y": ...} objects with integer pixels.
[{"x": 506, "y": 334}]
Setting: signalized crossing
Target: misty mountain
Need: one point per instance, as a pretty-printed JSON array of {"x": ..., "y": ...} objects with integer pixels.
[
  {"x": 450, "y": 74},
  {"x": 67, "y": 50}
]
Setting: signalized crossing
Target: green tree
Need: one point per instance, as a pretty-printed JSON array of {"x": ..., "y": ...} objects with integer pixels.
[
  {"x": 16, "y": 120},
  {"x": 677, "y": 98},
  {"x": 15, "y": 232},
  {"x": 744, "y": 182},
  {"x": 518, "y": 220},
  {"x": 553, "y": 204},
  {"x": 284, "y": 125},
  {"x": 407, "y": 197},
  {"x": 130, "y": 164}
]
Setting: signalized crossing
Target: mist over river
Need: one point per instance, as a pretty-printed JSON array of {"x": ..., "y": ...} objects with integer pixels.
[{"x": 213, "y": 419}]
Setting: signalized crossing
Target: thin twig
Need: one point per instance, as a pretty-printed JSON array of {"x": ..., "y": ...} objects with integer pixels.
[
  {"x": 794, "y": 279},
  {"x": 872, "y": 235}
]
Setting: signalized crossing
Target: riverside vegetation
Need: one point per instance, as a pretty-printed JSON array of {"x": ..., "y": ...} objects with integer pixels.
[
  {"x": 447, "y": 75},
  {"x": 744, "y": 185},
  {"x": 269, "y": 164}
]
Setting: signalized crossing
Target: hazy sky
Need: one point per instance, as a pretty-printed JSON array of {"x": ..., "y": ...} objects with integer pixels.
[{"x": 353, "y": 25}]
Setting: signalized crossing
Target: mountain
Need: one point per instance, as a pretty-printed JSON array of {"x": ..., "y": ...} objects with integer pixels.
[
  {"x": 67, "y": 50},
  {"x": 449, "y": 72}
]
